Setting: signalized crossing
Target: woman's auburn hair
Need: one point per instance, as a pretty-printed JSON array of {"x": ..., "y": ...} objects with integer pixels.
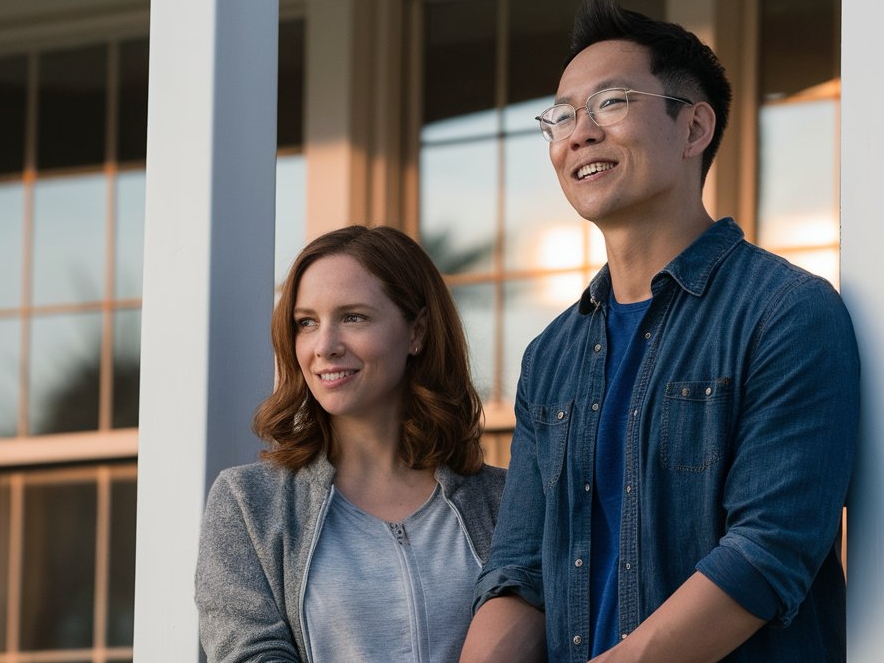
[{"x": 441, "y": 413}]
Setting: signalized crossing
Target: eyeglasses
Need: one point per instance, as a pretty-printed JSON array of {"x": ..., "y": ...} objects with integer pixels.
[{"x": 605, "y": 108}]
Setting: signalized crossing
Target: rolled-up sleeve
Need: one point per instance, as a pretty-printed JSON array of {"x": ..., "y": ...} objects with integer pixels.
[{"x": 793, "y": 453}]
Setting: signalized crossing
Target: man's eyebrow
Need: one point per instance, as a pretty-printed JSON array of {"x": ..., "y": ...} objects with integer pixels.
[{"x": 606, "y": 84}]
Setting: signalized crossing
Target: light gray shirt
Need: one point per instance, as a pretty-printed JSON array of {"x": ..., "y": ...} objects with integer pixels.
[{"x": 389, "y": 592}]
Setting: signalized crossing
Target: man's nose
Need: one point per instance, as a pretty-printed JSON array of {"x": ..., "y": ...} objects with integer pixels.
[{"x": 585, "y": 128}]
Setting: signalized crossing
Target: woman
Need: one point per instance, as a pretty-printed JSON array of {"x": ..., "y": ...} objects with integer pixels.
[{"x": 360, "y": 534}]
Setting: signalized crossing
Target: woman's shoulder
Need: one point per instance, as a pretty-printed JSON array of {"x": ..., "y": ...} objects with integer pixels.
[
  {"x": 264, "y": 478},
  {"x": 488, "y": 480}
]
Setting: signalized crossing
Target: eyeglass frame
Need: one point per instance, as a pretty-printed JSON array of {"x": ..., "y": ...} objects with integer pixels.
[{"x": 585, "y": 106}]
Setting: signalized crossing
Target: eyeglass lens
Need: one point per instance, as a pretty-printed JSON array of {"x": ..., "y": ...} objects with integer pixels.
[{"x": 605, "y": 108}]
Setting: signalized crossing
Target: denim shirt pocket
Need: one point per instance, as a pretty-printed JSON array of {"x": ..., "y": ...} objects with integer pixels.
[
  {"x": 551, "y": 425},
  {"x": 694, "y": 424}
]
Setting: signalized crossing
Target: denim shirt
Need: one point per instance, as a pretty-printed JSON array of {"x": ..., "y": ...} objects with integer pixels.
[{"x": 738, "y": 454}]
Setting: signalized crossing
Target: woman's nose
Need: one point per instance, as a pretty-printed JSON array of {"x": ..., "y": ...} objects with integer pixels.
[{"x": 329, "y": 343}]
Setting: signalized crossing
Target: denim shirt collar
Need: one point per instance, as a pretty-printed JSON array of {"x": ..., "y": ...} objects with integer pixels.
[{"x": 691, "y": 269}]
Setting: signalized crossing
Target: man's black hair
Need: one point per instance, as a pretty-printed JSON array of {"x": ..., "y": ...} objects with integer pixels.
[{"x": 685, "y": 65}]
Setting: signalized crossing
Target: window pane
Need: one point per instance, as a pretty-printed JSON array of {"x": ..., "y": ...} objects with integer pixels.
[
  {"x": 58, "y": 566},
  {"x": 459, "y": 58},
  {"x": 458, "y": 210},
  {"x": 72, "y": 107},
  {"x": 132, "y": 120},
  {"x": 529, "y": 306},
  {"x": 13, "y": 94},
  {"x": 121, "y": 584},
  {"x": 11, "y": 246},
  {"x": 290, "y": 107},
  {"x": 69, "y": 218},
  {"x": 127, "y": 348},
  {"x": 542, "y": 230},
  {"x": 10, "y": 342},
  {"x": 800, "y": 45},
  {"x": 476, "y": 306},
  {"x": 291, "y": 197},
  {"x": 64, "y": 373},
  {"x": 129, "y": 234},
  {"x": 798, "y": 178}
]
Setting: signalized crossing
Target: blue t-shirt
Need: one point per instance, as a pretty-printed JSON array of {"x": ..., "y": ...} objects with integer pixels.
[{"x": 626, "y": 348}]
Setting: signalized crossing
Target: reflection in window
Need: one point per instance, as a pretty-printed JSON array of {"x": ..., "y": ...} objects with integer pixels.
[
  {"x": 291, "y": 181},
  {"x": 69, "y": 239},
  {"x": 64, "y": 373},
  {"x": 58, "y": 597},
  {"x": 129, "y": 255},
  {"x": 798, "y": 195},
  {"x": 10, "y": 342},
  {"x": 476, "y": 306},
  {"x": 542, "y": 230},
  {"x": 11, "y": 243},
  {"x": 458, "y": 204},
  {"x": 127, "y": 367}
]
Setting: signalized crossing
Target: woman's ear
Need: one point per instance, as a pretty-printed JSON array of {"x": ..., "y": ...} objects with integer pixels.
[
  {"x": 418, "y": 332},
  {"x": 700, "y": 130}
]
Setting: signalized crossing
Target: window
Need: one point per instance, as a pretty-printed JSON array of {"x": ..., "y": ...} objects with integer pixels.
[
  {"x": 67, "y": 564},
  {"x": 73, "y": 124},
  {"x": 798, "y": 203}
]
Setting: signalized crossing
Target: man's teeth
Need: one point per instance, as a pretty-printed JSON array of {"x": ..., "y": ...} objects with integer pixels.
[
  {"x": 592, "y": 169},
  {"x": 335, "y": 376}
]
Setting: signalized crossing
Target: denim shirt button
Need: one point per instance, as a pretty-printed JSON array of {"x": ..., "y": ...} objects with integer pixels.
[
  {"x": 560, "y": 415},
  {"x": 623, "y": 636},
  {"x": 628, "y": 489},
  {"x": 578, "y": 563},
  {"x": 595, "y": 407},
  {"x": 587, "y": 487},
  {"x": 628, "y": 566},
  {"x": 708, "y": 391},
  {"x": 577, "y": 640},
  {"x": 597, "y": 347},
  {"x": 647, "y": 335}
]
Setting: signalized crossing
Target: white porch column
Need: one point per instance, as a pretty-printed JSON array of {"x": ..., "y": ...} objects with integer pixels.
[
  {"x": 862, "y": 235},
  {"x": 208, "y": 287}
]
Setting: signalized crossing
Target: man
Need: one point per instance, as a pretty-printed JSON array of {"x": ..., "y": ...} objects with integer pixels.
[{"x": 685, "y": 432}]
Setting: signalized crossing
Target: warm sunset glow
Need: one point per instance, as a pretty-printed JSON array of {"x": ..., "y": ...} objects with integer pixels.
[{"x": 560, "y": 247}]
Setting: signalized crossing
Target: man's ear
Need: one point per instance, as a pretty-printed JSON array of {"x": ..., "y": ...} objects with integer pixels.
[{"x": 700, "y": 130}]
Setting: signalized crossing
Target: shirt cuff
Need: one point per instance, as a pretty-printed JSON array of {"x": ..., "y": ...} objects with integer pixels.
[
  {"x": 507, "y": 582},
  {"x": 728, "y": 569}
]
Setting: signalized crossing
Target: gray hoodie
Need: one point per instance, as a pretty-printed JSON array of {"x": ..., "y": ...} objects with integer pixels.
[{"x": 259, "y": 530}]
